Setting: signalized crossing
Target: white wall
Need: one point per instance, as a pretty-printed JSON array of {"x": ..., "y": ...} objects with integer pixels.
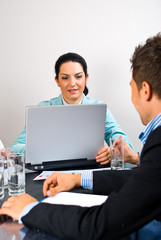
[{"x": 34, "y": 33}]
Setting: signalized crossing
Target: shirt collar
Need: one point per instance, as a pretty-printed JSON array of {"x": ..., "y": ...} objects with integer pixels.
[
  {"x": 153, "y": 124},
  {"x": 65, "y": 103}
]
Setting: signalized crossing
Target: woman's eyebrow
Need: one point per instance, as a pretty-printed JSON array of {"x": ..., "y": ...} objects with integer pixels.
[
  {"x": 69, "y": 74},
  {"x": 64, "y": 74},
  {"x": 78, "y": 73}
]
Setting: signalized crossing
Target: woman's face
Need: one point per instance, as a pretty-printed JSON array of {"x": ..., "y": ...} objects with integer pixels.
[{"x": 72, "y": 80}]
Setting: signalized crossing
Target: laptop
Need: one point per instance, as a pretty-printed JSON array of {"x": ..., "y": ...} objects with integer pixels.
[{"x": 64, "y": 136}]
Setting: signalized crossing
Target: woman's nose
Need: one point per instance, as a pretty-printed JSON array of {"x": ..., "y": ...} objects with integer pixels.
[{"x": 72, "y": 81}]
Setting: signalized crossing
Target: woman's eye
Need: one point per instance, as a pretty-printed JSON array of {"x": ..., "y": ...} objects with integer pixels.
[
  {"x": 64, "y": 78},
  {"x": 78, "y": 76}
]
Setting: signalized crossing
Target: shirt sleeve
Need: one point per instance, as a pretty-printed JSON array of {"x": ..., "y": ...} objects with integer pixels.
[
  {"x": 112, "y": 129},
  {"x": 27, "y": 210},
  {"x": 1, "y": 144},
  {"x": 20, "y": 142},
  {"x": 87, "y": 180}
]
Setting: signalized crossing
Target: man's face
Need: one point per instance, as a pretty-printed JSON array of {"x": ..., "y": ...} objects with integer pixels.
[
  {"x": 137, "y": 100},
  {"x": 135, "y": 93}
]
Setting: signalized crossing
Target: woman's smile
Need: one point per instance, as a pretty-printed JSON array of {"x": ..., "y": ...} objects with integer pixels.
[{"x": 72, "y": 90}]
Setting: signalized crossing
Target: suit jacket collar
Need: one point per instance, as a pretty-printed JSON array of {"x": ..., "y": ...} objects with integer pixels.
[{"x": 153, "y": 139}]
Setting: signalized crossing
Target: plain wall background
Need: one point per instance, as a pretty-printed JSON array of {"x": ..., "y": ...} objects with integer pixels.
[{"x": 34, "y": 33}]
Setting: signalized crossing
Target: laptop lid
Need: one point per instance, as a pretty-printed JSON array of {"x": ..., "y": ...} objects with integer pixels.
[{"x": 64, "y": 134}]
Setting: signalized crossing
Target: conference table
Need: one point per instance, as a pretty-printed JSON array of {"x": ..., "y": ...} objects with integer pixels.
[{"x": 11, "y": 230}]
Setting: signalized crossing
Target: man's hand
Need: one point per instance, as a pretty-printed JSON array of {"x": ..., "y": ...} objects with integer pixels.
[
  {"x": 103, "y": 155},
  {"x": 60, "y": 182},
  {"x": 129, "y": 155},
  {"x": 15, "y": 205}
]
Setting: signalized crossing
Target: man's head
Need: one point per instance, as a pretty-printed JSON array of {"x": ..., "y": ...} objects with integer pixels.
[
  {"x": 146, "y": 64},
  {"x": 146, "y": 79}
]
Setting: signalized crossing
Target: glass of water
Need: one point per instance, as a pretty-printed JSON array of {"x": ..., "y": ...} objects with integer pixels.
[
  {"x": 1, "y": 177},
  {"x": 117, "y": 153},
  {"x": 4, "y": 152},
  {"x": 16, "y": 174}
]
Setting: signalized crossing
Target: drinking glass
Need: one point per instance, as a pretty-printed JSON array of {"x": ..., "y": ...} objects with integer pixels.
[
  {"x": 117, "y": 153},
  {"x": 16, "y": 174}
]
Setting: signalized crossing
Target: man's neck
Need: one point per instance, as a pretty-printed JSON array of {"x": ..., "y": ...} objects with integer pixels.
[{"x": 152, "y": 109}]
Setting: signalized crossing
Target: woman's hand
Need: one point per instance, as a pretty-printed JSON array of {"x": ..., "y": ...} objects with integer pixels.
[
  {"x": 15, "y": 205},
  {"x": 103, "y": 156},
  {"x": 60, "y": 182}
]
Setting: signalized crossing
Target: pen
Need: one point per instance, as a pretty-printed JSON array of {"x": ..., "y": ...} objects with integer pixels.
[
  {"x": 39, "y": 167},
  {"x": 43, "y": 199}
]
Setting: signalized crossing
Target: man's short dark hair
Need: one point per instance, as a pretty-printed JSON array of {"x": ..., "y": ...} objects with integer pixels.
[{"x": 146, "y": 64}]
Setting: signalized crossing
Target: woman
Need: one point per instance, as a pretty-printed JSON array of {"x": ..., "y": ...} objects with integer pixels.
[{"x": 71, "y": 77}]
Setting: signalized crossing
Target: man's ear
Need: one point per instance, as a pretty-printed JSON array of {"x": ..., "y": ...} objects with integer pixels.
[
  {"x": 57, "y": 81},
  {"x": 147, "y": 91}
]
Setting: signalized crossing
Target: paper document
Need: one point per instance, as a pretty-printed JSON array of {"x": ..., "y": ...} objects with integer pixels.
[
  {"x": 45, "y": 174},
  {"x": 79, "y": 199}
]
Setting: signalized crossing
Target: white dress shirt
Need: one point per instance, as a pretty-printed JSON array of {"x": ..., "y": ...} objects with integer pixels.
[{"x": 1, "y": 145}]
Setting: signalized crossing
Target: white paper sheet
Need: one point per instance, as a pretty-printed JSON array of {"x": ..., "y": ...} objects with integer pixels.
[
  {"x": 80, "y": 199},
  {"x": 45, "y": 174}
]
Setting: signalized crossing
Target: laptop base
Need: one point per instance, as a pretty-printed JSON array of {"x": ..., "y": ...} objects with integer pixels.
[{"x": 67, "y": 165}]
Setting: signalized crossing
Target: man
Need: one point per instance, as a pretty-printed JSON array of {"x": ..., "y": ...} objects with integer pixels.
[{"x": 134, "y": 197}]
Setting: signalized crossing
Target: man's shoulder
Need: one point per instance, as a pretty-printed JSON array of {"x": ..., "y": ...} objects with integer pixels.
[
  {"x": 155, "y": 135},
  {"x": 153, "y": 140}
]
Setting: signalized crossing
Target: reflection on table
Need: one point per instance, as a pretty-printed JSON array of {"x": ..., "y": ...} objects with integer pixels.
[{"x": 11, "y": 230}]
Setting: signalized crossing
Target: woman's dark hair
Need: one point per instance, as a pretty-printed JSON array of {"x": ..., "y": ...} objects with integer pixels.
[{"x": 73, "y": 57}]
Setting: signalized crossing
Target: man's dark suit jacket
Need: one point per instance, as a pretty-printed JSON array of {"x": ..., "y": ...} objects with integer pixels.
[{"x": 134, "y": 199}]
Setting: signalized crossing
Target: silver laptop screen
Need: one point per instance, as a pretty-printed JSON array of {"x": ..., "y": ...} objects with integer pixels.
[{"x": 64, "y": 132}]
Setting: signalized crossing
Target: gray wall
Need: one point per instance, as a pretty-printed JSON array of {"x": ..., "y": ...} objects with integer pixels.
[{"x": 33, "y": 33}]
